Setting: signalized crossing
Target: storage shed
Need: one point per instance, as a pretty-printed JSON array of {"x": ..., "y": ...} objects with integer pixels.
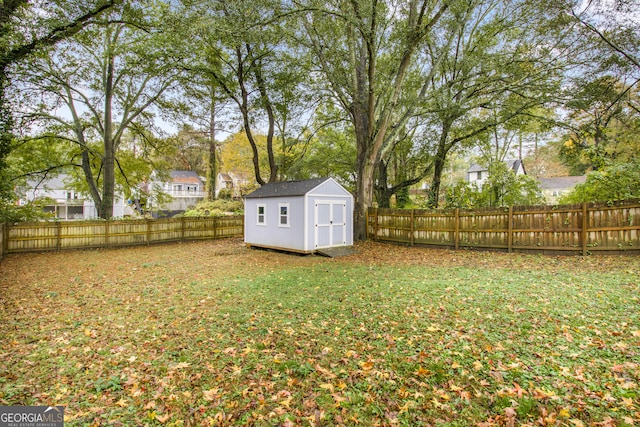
[{"x": 299, "y": 216}]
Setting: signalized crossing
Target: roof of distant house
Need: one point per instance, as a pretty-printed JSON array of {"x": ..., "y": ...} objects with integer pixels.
[
  {"x": 51, "y": 182},
  {"x": 187, "y": 177},
  {"x": 477, "y": 168},
  {"x": 559, "y": 182},
  {"x": 286, "y": 188},
  {"x": 514, "y": 165}
]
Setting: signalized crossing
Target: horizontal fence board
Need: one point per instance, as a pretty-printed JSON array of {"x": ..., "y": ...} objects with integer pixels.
[
  {"x": 60, "y": 235},
  {"x": 584, "y": 228}
]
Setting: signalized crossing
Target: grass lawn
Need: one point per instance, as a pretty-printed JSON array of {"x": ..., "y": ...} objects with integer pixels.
[{"x": 213, "y": 333}]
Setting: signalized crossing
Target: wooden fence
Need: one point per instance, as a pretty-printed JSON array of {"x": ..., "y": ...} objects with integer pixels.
[
  {"x": 581, "y": 229},
  {"x": 3, "y": 240},
  {"x": 60, "y": 235}
]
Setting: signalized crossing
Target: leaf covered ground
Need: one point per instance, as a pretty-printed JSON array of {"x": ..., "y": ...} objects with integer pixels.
[{"x": 213, "y": 333}]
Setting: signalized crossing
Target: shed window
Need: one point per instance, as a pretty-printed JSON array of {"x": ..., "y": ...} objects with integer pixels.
[
  {"x": 262, "y": 217},
  {"x": 283, "y": 208},
  {"x": 479, "y": 176}
]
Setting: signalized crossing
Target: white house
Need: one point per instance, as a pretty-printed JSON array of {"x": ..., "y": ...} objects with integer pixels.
[
  {"x": 230, "y": 182},
  {"x": 66, "y": 203},
  {"x": 299, "y": 216},
  {"x": 184, "y": 189},
  {"x": 556, "y": 187},
  {"x": 478, "y": 175}
]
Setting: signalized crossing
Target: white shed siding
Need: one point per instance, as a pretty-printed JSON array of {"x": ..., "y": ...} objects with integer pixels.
[
  {"x": 303, "y": 232},
  {"x": 271, "y": 233}
]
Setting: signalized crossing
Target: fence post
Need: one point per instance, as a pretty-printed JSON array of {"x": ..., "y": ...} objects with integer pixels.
[
  {"x": 372, "y": 212},
  {"x": 456, "y": 229},
  {"x": 3, "y": 239},
  {"x": 510, "y": 230},
  {"x": 148, "y": 232},
  {"x": 413, "y": 228},
  {"x": 106, "y": 233},
  {"x": 215, "y": 227},
  {"x": 584, "y": 229},
  {"x": 58, "y": 235},
  {"x": 182, "y": 226}
]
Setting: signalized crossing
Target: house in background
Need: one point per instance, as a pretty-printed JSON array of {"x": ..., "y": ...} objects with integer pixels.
[
  {"x": 180, "y": 191},
  {"x": 478, "y": 175},
  {"x": 231, "y": 182},
  {"x": 66, "y": 203},
  {"x": 299, "y": 216},
  {"x": 556, "y": 187}
]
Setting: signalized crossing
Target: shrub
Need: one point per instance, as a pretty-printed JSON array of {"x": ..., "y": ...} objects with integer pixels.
[
  {"x": 32, "y": 211},
  {"x": 217, "y": 207}
]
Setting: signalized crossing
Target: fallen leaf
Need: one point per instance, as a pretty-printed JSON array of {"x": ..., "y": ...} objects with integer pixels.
[{"x": 210, "y": 395}]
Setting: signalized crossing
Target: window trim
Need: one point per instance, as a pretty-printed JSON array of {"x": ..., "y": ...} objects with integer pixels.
[
  {"x": 285, "y": 216},
  {"x": 263, "y": 215}
]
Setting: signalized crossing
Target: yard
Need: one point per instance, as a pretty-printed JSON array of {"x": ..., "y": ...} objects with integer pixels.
[{"x": 213, "y": 333}]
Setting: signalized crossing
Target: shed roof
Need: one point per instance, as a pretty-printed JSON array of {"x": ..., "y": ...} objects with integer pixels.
[{"x": 286, "y": 188}]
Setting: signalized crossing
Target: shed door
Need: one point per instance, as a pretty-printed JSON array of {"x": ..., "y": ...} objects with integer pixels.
[{"x": 330, "y": 224}]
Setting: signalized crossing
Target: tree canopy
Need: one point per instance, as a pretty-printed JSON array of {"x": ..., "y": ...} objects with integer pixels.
[{"x": 379, "y": 94}]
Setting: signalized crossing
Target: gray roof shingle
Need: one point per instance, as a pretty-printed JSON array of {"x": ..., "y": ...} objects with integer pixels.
[{"x": 286, "y": 188}]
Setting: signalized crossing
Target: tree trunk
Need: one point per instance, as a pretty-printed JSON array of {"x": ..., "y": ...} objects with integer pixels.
[
  {"x": 88, "y": 173},
  {"x": 268, "y": 106},
  {"x": 212, "y": 164},
  {"x": 105, "y": 209},
  {"x": 382, "y": 190},
  {"x": 438, "y": 165},
  {"x": 366, "y": 156},
  {"x": 363, "y": 199},
  {"x": 6, "y": 129}
]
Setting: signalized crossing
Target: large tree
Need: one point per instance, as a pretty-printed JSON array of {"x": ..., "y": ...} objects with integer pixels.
[
  {"x": 25, "y": 28},
  {"x": 245, "y": 52},
  {"x": 103, "y": 84},
  {"x": 365, "y": 51},
  {"x": 507, "y": 61}
]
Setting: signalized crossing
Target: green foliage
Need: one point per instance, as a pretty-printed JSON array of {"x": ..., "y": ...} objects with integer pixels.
[
  {"x": 403, "y": 200},
  {"x": 218, "y": 207},
  {"x": 331, "y": 152},
  {"x": 620, "y": 181},
  {"x": 605, "y": 125},
  {"x": 32, "y": 211},
  {"x": 225, "y": 194},
  {"x": 505, "y": 188},
  {"x": 25, "y": 29},
  {"x": 97, "y": 91},
  {"x": 502, "y": 188},
  {"x": 462, "y": 195}
]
